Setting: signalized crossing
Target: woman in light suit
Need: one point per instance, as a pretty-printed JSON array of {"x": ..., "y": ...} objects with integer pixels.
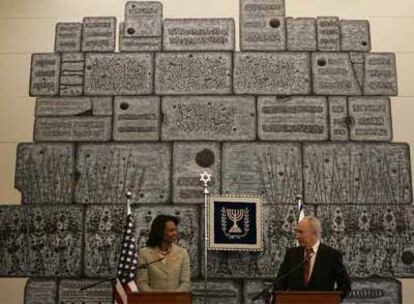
[{"x": 168, "y": 265}]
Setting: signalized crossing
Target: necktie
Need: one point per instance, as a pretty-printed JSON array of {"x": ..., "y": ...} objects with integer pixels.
[{"x": 308, "y": 258}]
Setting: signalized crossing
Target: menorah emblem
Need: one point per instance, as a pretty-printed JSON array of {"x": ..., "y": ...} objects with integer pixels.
[{"x": 235, "y": 215}]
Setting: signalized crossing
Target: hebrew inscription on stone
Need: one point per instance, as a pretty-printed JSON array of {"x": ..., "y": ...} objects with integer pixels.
[
  {"x": 374, "y": 290},
  {"x": 40, "y": 291},
  {"x": 68, "y": 37},
  {"x": 99, "y": 34},
  {"x": 328, "y": 33},
  {"x": 339, "y": 120},
  {"x": 72, "y": 74},
  {"x": 301, "y": 34},
  {"x": 138, "y": 44},
  {"x": 223, "y": 292},
  {"x": 143, "y": 19},
  {"x": 380, "y": 74},
  {"x": 45, "y": 74},
  {"x": 355, "y": 35},
  {"x": 70, "y": 292}
]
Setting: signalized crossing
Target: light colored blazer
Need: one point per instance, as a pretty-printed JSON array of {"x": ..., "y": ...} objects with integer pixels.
[{"x": 173, "y": 276}]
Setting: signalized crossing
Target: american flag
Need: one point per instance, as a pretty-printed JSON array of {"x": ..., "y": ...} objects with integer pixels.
[
  {"x": 301, "y": 208},
  {"x": 127, "y": 267}
]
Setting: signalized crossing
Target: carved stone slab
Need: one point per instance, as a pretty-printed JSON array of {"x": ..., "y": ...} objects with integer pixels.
[
  {"x": 137, "y": 118},
  {"x": 45, "y": 173},
  {"x": 62, "y": 106},
  {"x": 355, "y": 35},
  {"x": 107, "y": 171},
  {"x": 208, "y": 118},
  {"x": 272, "y": 73},
  {"x": 138, "y": 44},
  {"x": 301, "y": 34},
  {"x": 380, "y": 74},
  {"x": 99, "y": 34},
  {"x": 360, "y": 173},
  {"x": 273, "y": 170},
  {"x": 70, "y": 292},
  {"x": 222, "y": 292},
  {"x": 329, "y": 35},
  {"x": 292, "y": 118},
  {"x": 73, "y": 129},
  {"x": 205, "y": 34},
  {"x": 104, "y": 228},
  {"x": 119, "y": 74},
  {"x": 44, "y": 74},
  {"x": 375, "y": 239},
  {"x": 39, "y": 291},
  {"x": 72, "y": 74},
  {"x": 143, "y": 19},
  {"x": 262, "y": 25},
  {"x": 374, "y": 290},
  {"x": 251, "y": 288},
  {"x": 189, "y": 161},
  {"x": 371, "y": 117},
  {"x": 333, "y": 74},
  {"x": 193, "y": 73},
  {"x": 357, "y": 59},
  {"x": 68, "y": 37},
  {"x": 102, "y": 106},
  {"x": 188, "y": 228},
  {"x": 339, "y": 120}
]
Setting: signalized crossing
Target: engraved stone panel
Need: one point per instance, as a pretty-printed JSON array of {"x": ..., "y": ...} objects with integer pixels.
[
  {"x": 380, "y": 74},
  {"x": 374, "y": 290},
  {"x": 39, "y": 291},
  {"x": 357, "y": 60},
  {"x": 189, "y": 161},
  {"x": 107, "y": 171},
  {"x": 292, "y": 118},
  {"x": 193, "y": 73},
  {"x": 45, "y": 173},
  {"x": 371, "y": 117},
  {"x": 360, "y": 173},
  {"x": 251, "y": 288},
  {"x": 138, "y": 44},
  {"x": 73, "y": 128},
  {"x": 68, "y": 37},
  {"x": 208, "y": 118},
  {"x": 355, "y": 35},
  {"x": 143, "y": 19},
  {"x": 339, "y": 120},
  {"x": 99, "y": 34},
  {"x": 72, "y": 74},
  {"x": 272, "y": 170},
  {"x": 301, "y": 34},
  {"x": 375, "y": 239},
  {"x": 44, "y": 74},
  {"x": 223, "y": 292},
  {"x": 70, "y": 292},
  {"x": 119, "y": 74},
  {"x": 207, "y": 34},
  {"x": 62, "y": 106},
  {"x": 102, "y": 106},
  {"x": 137, "y": 118},
  {"x": 262, "y": 25},
  {"x": 188, "y": 228},
  {"x": 333, "y": 74},
  {"x": 104, "y": 228},
  {"x": 272, "y": 73},
  {"x": 329, "y": 35}
]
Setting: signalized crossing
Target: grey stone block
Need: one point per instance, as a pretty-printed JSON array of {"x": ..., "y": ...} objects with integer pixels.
[
  {"x": 293, "y": 118},
  {"x": 333, "y": 74},
  {"x": 272, "y": 73},
  {"x": 77, "y": 129},
  {"x": 355, "y": 36},
  {"x": 193, "y": 73},
  {"x": 380, "y": 76},
  {"x": 138, "y": 44},
  {"x": 189, "y": 161},
  {"x": 68, "y": 37},
  {"x": 102, "y": 106},
  {"x": 188, "y": 228},
  {"x": 72, "y": 74},
  {"x": 208, "y": 118},
  {"x": 70, "y": 292},
  {"x": 104, "y": 228},
  {"x": 374, "y": 290},
  {"x": 208, "y": 34},
  {"x": 107, "y": 171},
  {"x": 136, "y": 118},
  {"x": 143, "y": 19},
  {"x": 357, "y": 60},
  {"x": 271, "y": 170},
  {"x": 375, "y": 239},
  {"x": 358, "y": 173},
  {"x": 329, "y": 35},
  {"x": 262, "y": 25},
  {"x": 251, "y": 288},
  {"x": 223, "y": 292},
  {"x": 339, "y": 121},
  {"x": 45, "y": 173},
  {"x": 371, "y": 117},
  {"x": 44, "y": 74},
  {"x": 40, "y": 291},
  {"x": 301, "y": 34},
  {"x": 99, "y": 34},
  {"x": 119, "y": 74},
  {"x": 62, "y": 106}
]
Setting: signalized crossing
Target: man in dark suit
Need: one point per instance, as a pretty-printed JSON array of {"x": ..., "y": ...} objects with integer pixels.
[{"x": 312, "y": 265}]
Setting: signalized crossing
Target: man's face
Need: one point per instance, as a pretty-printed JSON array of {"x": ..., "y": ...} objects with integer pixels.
[
  {"x": 170, "y": 232},
  {"x": 305, "y": 234}
]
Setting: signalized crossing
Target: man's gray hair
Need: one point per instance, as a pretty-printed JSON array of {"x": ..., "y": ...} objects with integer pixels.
[{"x": 314, "y": 223}]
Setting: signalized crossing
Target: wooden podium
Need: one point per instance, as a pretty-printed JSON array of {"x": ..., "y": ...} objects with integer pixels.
[
  {"x": 159, "y": 298},
  {"x": 307, "y": 297}
]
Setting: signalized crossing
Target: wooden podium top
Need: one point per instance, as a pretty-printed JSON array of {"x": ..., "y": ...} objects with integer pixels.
[
  {"x": 308, "y": 297},
  {"x": 159, "y": 298}
]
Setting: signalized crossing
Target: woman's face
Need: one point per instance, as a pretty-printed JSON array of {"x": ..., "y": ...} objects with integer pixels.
[{"x": 170, "y": 232}]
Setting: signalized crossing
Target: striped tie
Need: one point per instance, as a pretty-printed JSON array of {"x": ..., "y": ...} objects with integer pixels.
[{"x": 308, "y": 258}]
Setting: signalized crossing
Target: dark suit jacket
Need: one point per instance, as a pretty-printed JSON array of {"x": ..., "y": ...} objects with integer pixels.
[{"x": 327, "y": 270}]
